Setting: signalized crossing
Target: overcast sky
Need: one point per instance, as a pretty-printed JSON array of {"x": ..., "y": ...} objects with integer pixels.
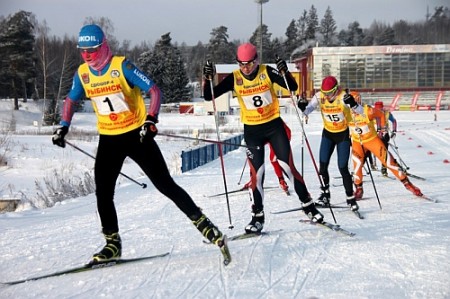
[{"x": 192, "y": 21}]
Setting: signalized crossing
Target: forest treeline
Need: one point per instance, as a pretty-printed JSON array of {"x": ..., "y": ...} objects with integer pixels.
[{"x": 35, "y": 64}]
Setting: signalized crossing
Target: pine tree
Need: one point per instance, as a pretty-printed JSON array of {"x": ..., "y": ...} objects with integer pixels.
[
  {"x": 268, "y": 53},
  {"x": 17, "y": 56},
  {"x": 219, "y": 49},
  {"x": 312, "y": 23},
  {"x": 166, "y": 67},
  {"x": 302, "y": 27},
  {"x": 292, "y": 41},
  {"x": 328, "y": 28}
]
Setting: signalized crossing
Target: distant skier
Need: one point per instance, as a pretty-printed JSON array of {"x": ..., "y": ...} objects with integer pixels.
[
  {"x": 391, "y": 128},
  {"x": 365, "y": 139},
  {"x": 333, "y": 103}
]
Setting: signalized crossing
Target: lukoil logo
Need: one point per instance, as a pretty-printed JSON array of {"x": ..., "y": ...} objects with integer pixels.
[{"x": 87, "y": 38}]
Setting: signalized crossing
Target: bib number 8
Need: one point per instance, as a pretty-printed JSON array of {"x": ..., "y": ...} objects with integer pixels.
[{"x": 257, "y": 101}]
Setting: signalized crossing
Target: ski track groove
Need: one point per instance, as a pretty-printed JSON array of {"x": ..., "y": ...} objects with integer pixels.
[
  {"x": 222, "y": 276},
  {"x": 270, "y": 272},
  {"x": 301, "y": 256},
  {"x": 309, "y": 276},
  {"x": 211, "y": 279},
  {"x": 164, "y": 271},
  {"x": 251, "y": 257},
  {"x": 286, "y": 271}
]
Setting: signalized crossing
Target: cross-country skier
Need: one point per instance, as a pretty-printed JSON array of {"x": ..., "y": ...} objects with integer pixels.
[
  {"x": 126, "y": 129},
  {"x": 253, "y": 83}
]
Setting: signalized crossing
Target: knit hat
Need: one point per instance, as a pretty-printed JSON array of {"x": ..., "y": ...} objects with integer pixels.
[
  {"x": 90, "y": 36},
  {"x": 329, "y": 84},
  {"x": 379, "y": 105},
  {"x": 246, "y": 53}
]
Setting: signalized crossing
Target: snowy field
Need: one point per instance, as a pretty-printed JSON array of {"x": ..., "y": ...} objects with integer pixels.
[{"x": 399, "y": 251}]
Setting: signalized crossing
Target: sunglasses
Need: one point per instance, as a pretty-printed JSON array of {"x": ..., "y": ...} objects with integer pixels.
[
  {"x": 90, "y": 50},
  {"x": 329, "y": 92},
  {"x": 249, "y": 64}
]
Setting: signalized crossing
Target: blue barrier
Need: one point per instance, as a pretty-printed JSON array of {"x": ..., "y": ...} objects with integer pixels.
[{"x": 194, "y": 158}]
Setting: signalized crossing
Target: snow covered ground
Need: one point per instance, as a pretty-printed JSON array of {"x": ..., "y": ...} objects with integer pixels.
[{"x": 399, "y": 251}]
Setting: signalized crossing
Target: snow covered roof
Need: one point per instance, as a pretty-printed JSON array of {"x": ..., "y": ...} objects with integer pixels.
[{"x": 228, "y": 68}]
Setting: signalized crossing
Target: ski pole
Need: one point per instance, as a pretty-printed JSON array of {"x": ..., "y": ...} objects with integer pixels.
[
  {"x": 209, "y": 141},
  {"x": 219, "y": 144},
  {"x": 322, "y": 184},
  {"x": 373, "y": 182},
  {"x": 395, "y": 148},
  {"x": 303, "y": 153},
  {"x": 143, "y": 185},
  {"x": 242, "y": 173}
]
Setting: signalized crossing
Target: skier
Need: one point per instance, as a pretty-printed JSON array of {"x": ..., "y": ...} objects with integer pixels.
[
  {"x": 391, "y": 127},
  {"x": 126, "y": 129},
  {"x": 253, "y": 84},
  {"x": 336, "y": 115},
  {"x": 365, "y": 139}
]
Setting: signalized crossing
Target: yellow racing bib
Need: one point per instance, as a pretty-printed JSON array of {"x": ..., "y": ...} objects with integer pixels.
[
  {"x": 119, "y": 107},
  {"x": 259, "y": 103}
]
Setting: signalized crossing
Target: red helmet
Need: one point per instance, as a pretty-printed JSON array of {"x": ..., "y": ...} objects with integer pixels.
[
  {"x": 329, "y": 88},
  {"x": 329, "y": 85},
  {"x": 379, "y": 105},
  {"x": 246, "y": 53}
]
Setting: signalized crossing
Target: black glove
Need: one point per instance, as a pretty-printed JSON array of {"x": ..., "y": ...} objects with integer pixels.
[
  {"x": 302, "y": 103},
  {"x": 58, "y": 136},
  {"x": 148, "y": 129},
  {"x": 384, "y": 136},
  {"x": 209, "y": 70},
  {"x": 281, "y": 65},
  {"x": 350, "y": 100},
  {"x": 393, "y": 134}
]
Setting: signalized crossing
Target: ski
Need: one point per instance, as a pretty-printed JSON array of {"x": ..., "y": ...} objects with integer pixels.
[
  {"x": 235, "y": 191},
  {"x": 428, "y": 198},
  {"x": 358, "y": 214},
  {"x": 299, "y": 209},
  {"x": 333, "y": 227},
  {"x": 245, "y": 236},
  {"x": 415, "y": 176},
  {"x": 87, "y": 267},
  {"x": 320, "y": 206},
  {"x": 252, "y": 235},
  {"x": 287, "y": 211},
  {"x": 225, "y": 251}
]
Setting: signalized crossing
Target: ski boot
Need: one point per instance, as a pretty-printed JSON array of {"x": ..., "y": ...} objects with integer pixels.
[
  {"x": 409, "y": 186},
  {"x": 208, "y": 230},
  {"x": 351, "y": 203},
  {"x": 257, "y": 223},
  {"x": 324, "y": 198},
  {"x": 384, "y": 171},
  {"x": 359, "y": 192},
  {"x": 111, "y": 251},
  {"x": 213, "y": 234},
  {"x": 311, "y": 211}
]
